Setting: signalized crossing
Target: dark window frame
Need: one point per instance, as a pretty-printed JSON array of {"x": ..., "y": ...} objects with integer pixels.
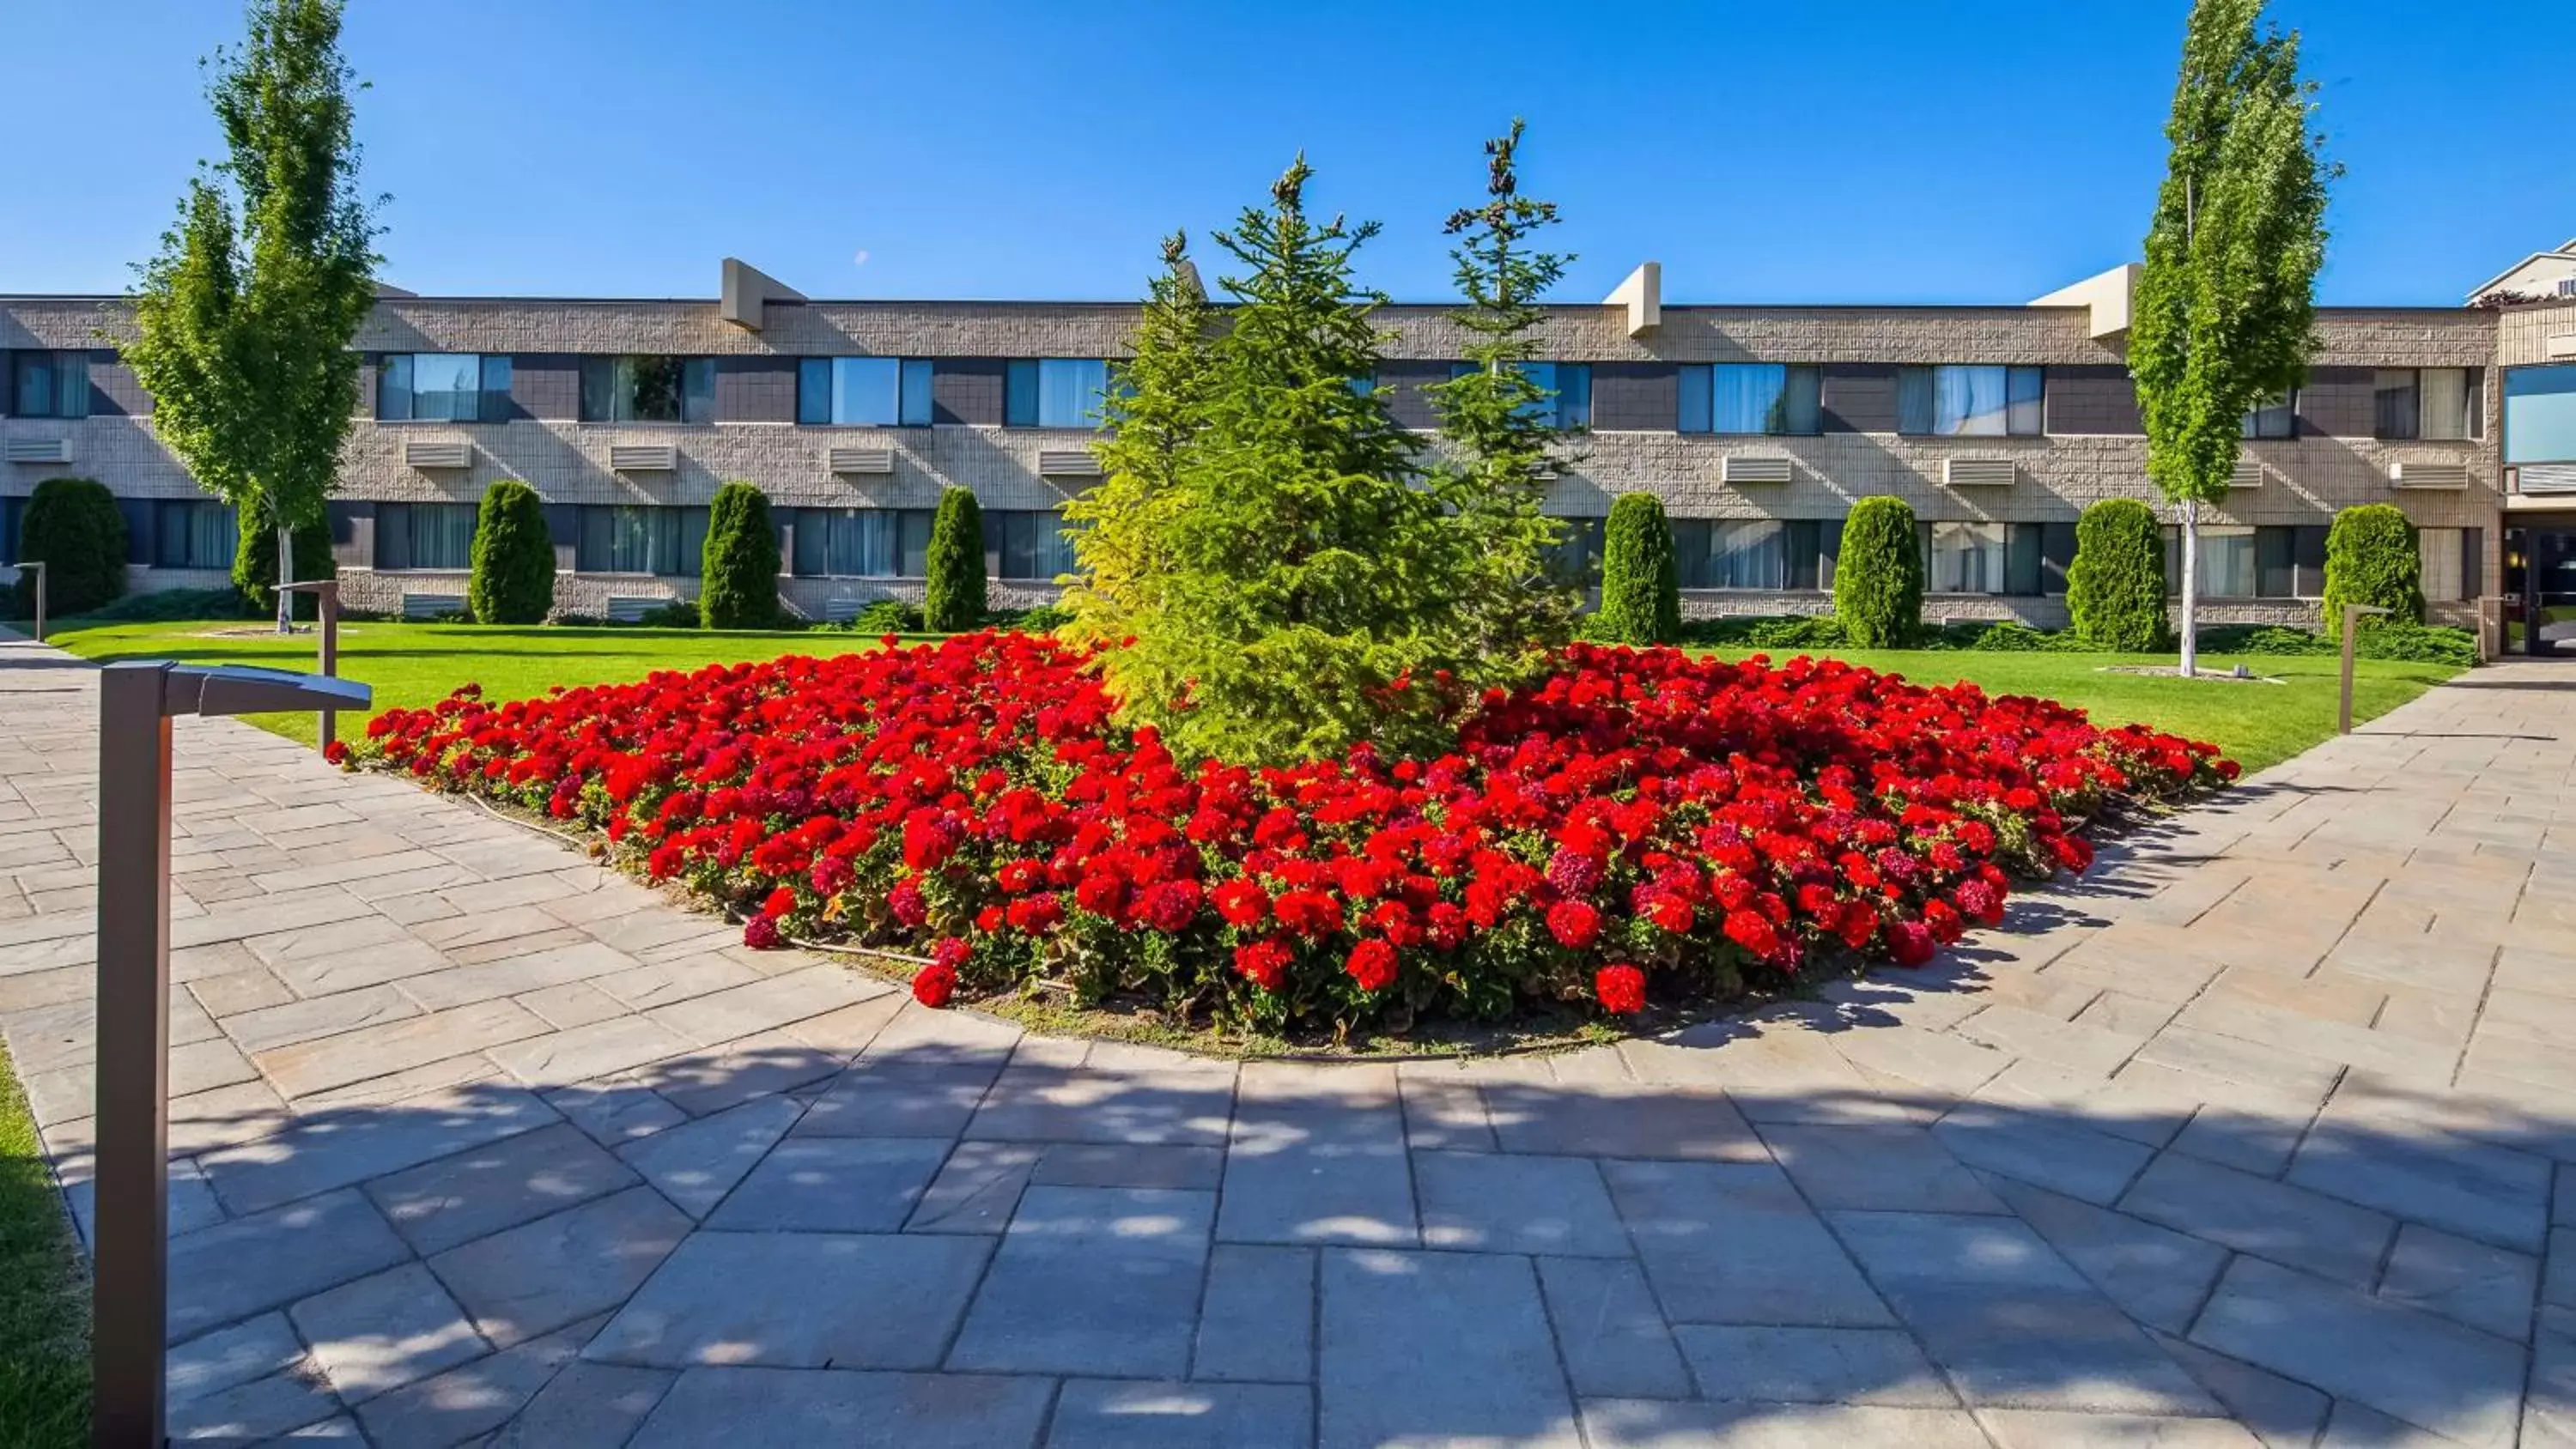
[
  {"x": 26, "y": 364},
  {"x": 1918, "y": 411},
  {"x": 493, "y": 375},
  {"x": 691, "y": 390},
  {"x": 1802, "y": 386}
]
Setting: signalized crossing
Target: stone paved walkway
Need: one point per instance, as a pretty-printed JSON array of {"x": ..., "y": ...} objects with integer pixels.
[{"x": 2258, "y": 1138}]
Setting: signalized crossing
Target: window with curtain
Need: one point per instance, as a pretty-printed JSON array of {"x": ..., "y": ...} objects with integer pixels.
[
  {"x": 861, "y": 543},
  {"x": 1971, "y": 401},
  {"x": 2436, "y": 404},
  {"x": 1054, "y": 392},
  {"x": 2231, "y": 562},
  {"x": 446, "y": 387},
  {"x": 1026, "y": 544},
  {"x": 626, "y": 538},
  {"x": 2540, "y": 414},
  {"x": 1732, "y": 553},
  {"x": 1964, "y": 558},
  {"x": 49, "y": 384},
  {"x": 864, "y": 392},
  {"x": 648, "y": 390},
  {"x": 424, "y": 536},
  {"x": 1750, "y": 397},
  {"x": 2449, "y": 573},
  {"x": 2276, "y": 418},
  {"x": 195, "y": 533},
  {"x": 1568, "y": 405}
]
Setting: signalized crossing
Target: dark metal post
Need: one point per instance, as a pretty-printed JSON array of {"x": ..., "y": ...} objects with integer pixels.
[
  {"x": 326, "y": 593},
  {"x": 2351, "y": 625},
  {"x": 132, "y": 1159}
]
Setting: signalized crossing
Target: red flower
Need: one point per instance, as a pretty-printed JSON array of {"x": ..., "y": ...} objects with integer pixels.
[
  {"x": 780, "y": 902},
  {"x": 907, "y": 904},
  {"x": 1263, "y": 962},
  {"x": 1621, "y": 990},
  {"x": 1035, "y": 914},
  {"x": 337, "y": 752},
  {"x": 1169, "y": 906},
  {"x": 1242, "y": 903},
  {"x": 1371, "y": 964},
  {"x": 1910, "y": 943},
  {"x": 760, "y": 933},
  {"x": 1574, "y": 872},
  {"x": 1308, "y": 912},
  {"x": 933, "y": 984},
  {"x": 1574, "y": 924}
]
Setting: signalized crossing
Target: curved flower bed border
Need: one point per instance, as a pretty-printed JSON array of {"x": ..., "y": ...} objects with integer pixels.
[{"x": 1640, "y": 824}]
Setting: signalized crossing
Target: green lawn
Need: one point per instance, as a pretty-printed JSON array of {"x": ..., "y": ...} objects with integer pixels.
[
  {"x": 44, "y": 1310},
  {"x": 2257, "y": 724},
  {"x": 414, "y": 664}
]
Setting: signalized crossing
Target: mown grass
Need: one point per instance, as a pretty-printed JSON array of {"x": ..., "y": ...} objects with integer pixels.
[{"x": 44, "y": 1294}]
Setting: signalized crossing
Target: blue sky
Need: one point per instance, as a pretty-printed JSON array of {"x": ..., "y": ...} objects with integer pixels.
[{"x": 1787, "y": 152}]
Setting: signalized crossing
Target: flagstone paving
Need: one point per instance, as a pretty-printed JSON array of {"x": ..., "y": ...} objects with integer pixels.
[{"x": 2267, "y": 1134}]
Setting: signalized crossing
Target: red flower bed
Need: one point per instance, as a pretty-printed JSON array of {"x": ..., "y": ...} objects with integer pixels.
[{"x": 1640, "y": 819}]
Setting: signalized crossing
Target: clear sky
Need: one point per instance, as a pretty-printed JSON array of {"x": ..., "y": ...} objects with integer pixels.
[{"x": 1794, "y": 151}]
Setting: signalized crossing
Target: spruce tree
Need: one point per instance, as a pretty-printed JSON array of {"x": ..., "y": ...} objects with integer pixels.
[
  {"x": 1500, "y": 425},
  {"x": 953, "y": 598}
]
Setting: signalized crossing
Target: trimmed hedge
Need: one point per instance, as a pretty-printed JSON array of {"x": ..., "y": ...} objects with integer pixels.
[
  {"x": 739, "y": 570},
  {"x": 955, "y": 596},
  {"x": 255, "y": 562},
  {"x": 514, "y": 557},
  {"x": 1641, "y": 597},
  {"x": 2115, "y": 589},
  {"x": 2372, "y": 558},
  {"x": 1878, "y": 575},
  {"x": 73, "y": 527}
]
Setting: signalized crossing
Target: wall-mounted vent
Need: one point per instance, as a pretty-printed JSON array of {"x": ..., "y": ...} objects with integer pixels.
[
  {"x": 2428, "y": 475},
  {"x": 2560, "y": 344},
  {"x": 37, "y": 450},
  {"x": 862, "y": 460},
  {"x": 1979, "y": 472},
  {"x": 2546, "y": 478},
  {"x": 631, "y": 608},
  {"x": 430, "y": 606},
  {"x": 642, "y": 457},
  {"x": 1756, "y": 470},
  {"x": 2248, "y": 474},
  {"x": 437, "y": 453},
  {"x": 1068, "y": 463}
]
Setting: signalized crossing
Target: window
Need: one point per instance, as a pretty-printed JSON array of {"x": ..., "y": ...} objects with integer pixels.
[
  {"x": 2277, "y": 418},
  {"x": 648, "y": 390},
  {"x": 862, "y": 543},
  {"x": 2439, "y": 404},
  {"x": 2540, "y": 414},
  {"x": 2455, "y": 563},
  {"x": 193, "y": 534},
  {"x": 1574, "y": 560},
  {"x": 11, "y": 510},
  {"x": 1026, "y": 544},
  {"x": 863, "y": 392},
  {"x": 49, "y": 384},
  {"x": 1569, "y": 385},
  {"x": 2271, "y": 562},
  {"x": 1054, "y": 392},
  {"x": 1980, "y": 401},
  {"x": 1750, "y": 397},
  {"x": 446, "y": 387},
  {"x": 1756, "y": 553},
  {"x": 1996, "y": 558},
  {"x": 424, "y": 535},
  {"x": 639, "y": 539}
]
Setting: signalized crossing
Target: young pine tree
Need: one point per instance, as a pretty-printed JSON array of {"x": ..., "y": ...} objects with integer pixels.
[{"x": 1501, "y": 428}]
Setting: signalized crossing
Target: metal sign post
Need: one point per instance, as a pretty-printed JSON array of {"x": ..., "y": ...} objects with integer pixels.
[
  {"x": 2351, "y": 624},
  {"x": 327, "y": 594},
  {"x": 131, "y": 1304},
  {"x": 39, "y": 566}
]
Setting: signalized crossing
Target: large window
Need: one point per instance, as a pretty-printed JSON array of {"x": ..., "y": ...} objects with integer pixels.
[
  {"x": 447, "y": 387},
  {"x": 648, "y": 390},
  {"x": 2269, "y": 562},
  {"x": 1756, "y": 553},
  {"x": 1026, "y": 544},
  {"x": 2540, "y": 414},
  {"x": 49, "y": 384},
  {"x": 1054, "y": 392},
  {"x": 1978, "y": 401},
  {"x": 862, "y": 543},
  {"x": 863, "y": 392},
  {"x": 2440, "y": 404},
  {"x": 424, "y": 535},
  {"x": 1997, "y": 558},
  {"x": 1750, "y": 397},
  {"x": 624, "y": 538},
  {"x": 1568, "y": 385},
  {"x": 2276, "y": 418},
  {"x": 196, "y": 533}
]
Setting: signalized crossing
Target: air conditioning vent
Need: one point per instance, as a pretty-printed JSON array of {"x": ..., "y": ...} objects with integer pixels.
[
  {"x": 862, "y": 460},
  {"x": 38, "y": 450},
  {"x": 437, "y": 453},
  {"x": 2429, "y": 475},
  {"x": 2248, "y": 474},
  {"x": 631, "y": 608},
  {"x": 1979, "y": 472},
  {"x": 2546, "y": 478},
  {"x": 430, "y": 606},
  {"x": 1068, "y": 463},
  {"x": 642, "y": 457},
  {"x": 1756, "y": 470},
  {"x": 2561, "y": 344}
]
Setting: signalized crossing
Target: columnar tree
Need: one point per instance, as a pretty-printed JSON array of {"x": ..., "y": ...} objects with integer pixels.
[
  {"x": 954, "y": 568},
  {"x": 1500, "y": 427},
  {"x": 2115, "y": 588},
  {"x": 2373, "y": 558},
  {"x": 73, "y": 528},
  {"x": 738, "y": 568},
  {"x": 245, "y": 317},
  {"x": 1641, "y": 600},
  {"x": 2224, "y": 307},
  {"x": 1878, "y": 575},
  {"x": 513, "y": 558}
]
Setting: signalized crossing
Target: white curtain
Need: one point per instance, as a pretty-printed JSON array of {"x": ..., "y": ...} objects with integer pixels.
[{"x": 1968, "y": 400}]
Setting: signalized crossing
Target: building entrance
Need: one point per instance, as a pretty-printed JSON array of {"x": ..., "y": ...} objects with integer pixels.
[{"x": 2540, "y": 591}]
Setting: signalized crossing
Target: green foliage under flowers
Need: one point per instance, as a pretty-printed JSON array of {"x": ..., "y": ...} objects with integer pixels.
[
  {"x": 73, "y": 526},
  {"x": 513, "y": 557},
  {"x": 1641, "y": 601},
  {"x": 2372, "y": 558},
  {"x": 953, "y": 596},
  {"x": 739, "y": 569},
  {"x": 2115, "y": 589},
  {"x": 165, "y": 605},
  {"x": 1878, "y": 575}
]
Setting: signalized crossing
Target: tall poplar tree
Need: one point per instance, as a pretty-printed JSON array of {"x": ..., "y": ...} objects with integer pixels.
[
  {"x": 1499, "y": 424},
  {"x": 245, "y": 316},
  {"x": 2224, "y": 309}
]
